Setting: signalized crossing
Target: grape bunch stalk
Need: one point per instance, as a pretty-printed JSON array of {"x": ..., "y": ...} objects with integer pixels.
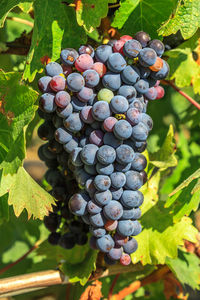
[{"x": 94, "y": 106}]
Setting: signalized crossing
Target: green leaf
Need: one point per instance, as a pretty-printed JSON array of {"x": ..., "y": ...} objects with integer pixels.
[
  {"x": 164, "y": 157},
  {"x": 186, "y": 19},
  {"x": 185, "y": 198},
  {"x": 183, "y": 168},
  {"x": 17, "y": 236},
  {"x": 183, "y": 68},
  {"x": 6, "y": 6},
  {"x": 25, "y": 193},
  {"x": 81, "y": 272},
  {"x": 25, "y": 7},
  {"x": 14, "y": 116},
  {"x": 161, "y": 238},
  {"x": 186, "y": 268},
  {"x": 90, "y": 12},
  {"x": 4, "y": 209},
  {"x": 187, "y": 181},
  {"x": 79, "y": 262},
  {"x": 183, "y": 202},
  {"x": 134, "y": 16},
  {"x": 123, "y": 13},
  {"x": 33, "y": 125},
  {"x": 62, "y": 32}
]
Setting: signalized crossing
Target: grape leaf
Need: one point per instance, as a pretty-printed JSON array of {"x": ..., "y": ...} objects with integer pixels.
[
  {"x": 14, "y": 116},
  {"x": 186, "y": 182},
  {"x": 6, "y": 6},
  {"x": 134, "y": 16},
  {"x": 160, "y": 237},
  {"x": 183, "y": 68},
  {"x": 16, "y": 29},
  {"x": 78, "y": 264},
  {"x": 150, "y": 192},
  {"x": 186, "y": 269},
  {"x": 25, "y": 193},
  {"x": 185, "y": 198},
  {"x": 62, "y": 32},
  {"x": 89, "y": 13},
  {"x": 183, "y": 202},
  {"x": 26, "y": 7},
  {"x": 81, "y": 272},
  {"x": 122, "y": 14},
  {"x": 164, "y": 157},
  {"x": 4, "y": 209},
  {"x": 186, "y": 19},
  {"x": 17, "y": 236}
]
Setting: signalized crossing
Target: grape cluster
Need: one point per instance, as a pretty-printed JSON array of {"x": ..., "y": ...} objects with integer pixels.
[{"x": 94, "y": 105}]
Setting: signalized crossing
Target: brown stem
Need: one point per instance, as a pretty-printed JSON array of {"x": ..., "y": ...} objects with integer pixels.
[
  {"x": 186, "y": 96},
  {"x": 20, "y": 259},
  {"x": 68, "y": 292},
  {"x": 23, "y": 21},
  {"x": 112, "y": 286}
]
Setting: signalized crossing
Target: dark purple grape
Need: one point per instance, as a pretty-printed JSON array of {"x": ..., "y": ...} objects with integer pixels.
[
  {"x": 158, "y": 46},
  {"x": 54, "y": 238},
  {"x": 143, "y": 38},
  {"x": 67, "y": 240}
]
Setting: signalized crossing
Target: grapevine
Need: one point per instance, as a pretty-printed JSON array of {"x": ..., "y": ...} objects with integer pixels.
[{"x": 94, "y": 108}]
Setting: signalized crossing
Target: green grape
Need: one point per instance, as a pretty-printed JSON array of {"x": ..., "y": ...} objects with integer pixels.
[{"x": 105, "y": 95}]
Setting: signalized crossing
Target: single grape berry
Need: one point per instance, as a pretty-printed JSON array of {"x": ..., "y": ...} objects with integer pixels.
[{"x": 142, "y": 37}]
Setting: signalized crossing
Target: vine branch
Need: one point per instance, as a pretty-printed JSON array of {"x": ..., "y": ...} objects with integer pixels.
[
  {"x": 38, "y": 280},
  {"x": 186, "y": 96}
]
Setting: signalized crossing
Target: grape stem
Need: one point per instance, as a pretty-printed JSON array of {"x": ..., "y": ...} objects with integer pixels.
[
  {"x": 112, "y": 286},
  {"x": 186, "y": 96},
  {"x": 21, "y": 258}
]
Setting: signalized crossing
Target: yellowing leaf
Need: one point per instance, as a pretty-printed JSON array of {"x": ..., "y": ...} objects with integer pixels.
[
  {"x": 161, "y": 238},
  {"x": 25, "y": 193}
]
